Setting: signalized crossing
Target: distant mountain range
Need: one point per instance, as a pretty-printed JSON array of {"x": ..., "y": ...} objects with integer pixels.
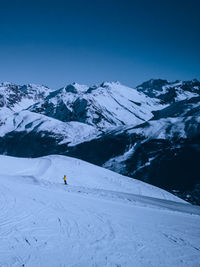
[{"x": 151, "y": 132}]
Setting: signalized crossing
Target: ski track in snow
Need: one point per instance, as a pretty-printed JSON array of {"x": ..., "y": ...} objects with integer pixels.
[{"x": 44, "y": 223}]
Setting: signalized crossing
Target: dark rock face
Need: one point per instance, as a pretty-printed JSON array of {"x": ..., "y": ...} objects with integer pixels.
[
  {"x": 13, "y": 96},
  {"x": 169, "y": 96},
  {"x": 60, "y": 112},
  {"x": 80, "y": 110},
  {"x": 191, "y": 86},
  {"x": 168, "y": 91},
  {"x": 186, "y": 108},
  {"x": 168, "y": 164},
  {"x": 71, "y": 89},
  {"x": 152, "y": 86},
  {"x": 33, "y": 144},
  {"x": 174, "y": 165},
  {"x": 100, "y": 150}
]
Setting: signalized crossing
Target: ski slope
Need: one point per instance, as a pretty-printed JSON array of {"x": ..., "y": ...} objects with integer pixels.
[{"x": 100, "y": 218}]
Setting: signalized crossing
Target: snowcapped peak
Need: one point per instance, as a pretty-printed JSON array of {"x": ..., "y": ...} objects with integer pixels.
[
  {"x": 18, "y": 97},
  {"x": 153, "y": 83},
  {"x": 6, "y": 84},
  {"x": 110, "y": 84},
  {"x": 169, "y": 92},
  {"x": 195, "y": 80},
  {"x": 76, "y": 88},
  {"x": 37, "y": 86},
  {"x": 35, "y": 89}
]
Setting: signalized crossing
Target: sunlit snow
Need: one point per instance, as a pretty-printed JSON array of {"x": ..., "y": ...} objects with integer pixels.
[{"x": 99, "y": 219}]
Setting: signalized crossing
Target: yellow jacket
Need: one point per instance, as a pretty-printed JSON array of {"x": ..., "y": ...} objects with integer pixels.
[{"x": 65, "y": 178}]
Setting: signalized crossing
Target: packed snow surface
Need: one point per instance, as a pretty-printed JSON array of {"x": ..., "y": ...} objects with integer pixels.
[{"x": 100, "y": 218}]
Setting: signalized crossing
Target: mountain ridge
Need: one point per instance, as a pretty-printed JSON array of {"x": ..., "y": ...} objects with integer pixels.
[{"x": 135, "y": 132}]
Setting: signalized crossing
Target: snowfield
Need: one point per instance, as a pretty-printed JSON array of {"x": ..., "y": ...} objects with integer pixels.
[{"x": 100, "y": 218}]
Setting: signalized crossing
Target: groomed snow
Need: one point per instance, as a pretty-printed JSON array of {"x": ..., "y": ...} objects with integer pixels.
[{"x": 99, "y": 219}]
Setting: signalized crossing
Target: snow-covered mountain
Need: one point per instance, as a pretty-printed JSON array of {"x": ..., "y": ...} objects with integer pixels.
[
  {"x": 73, "y": 114},
  {"x": 104, "y": 106},
  {"x": 26, "y": 122},
  {"x": 151, "y": 132},
  {"x": 169, "y": 92},
  {"x": 18, "y": 97},
  {"x": 15, "y": 117},
  {"x": 100, "y": 218}
]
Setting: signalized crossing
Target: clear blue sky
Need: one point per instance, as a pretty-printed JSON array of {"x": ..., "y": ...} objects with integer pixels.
[{"x": 56, "y": 42}]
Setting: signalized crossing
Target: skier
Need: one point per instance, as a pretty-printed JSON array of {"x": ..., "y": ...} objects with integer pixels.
[{"x": 65, "y": 179}]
